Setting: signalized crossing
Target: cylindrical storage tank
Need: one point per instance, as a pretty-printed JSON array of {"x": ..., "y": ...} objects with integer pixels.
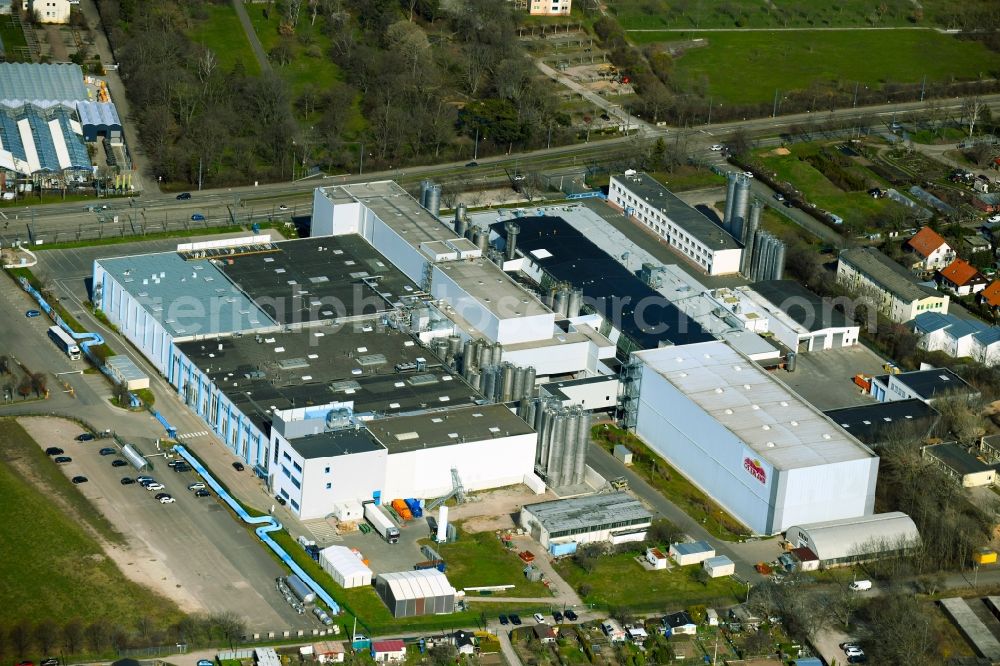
[
  {"x": 543, "y": 425},
  {"x": 572, "y": 441},
  {"x": 497, "y": 354},
  {"x": 483, "y": 353},
  {"x": 460, "y": 211},
  {"x": 758, "y": 241},
  {"x": 483, "y": 240},
  {"x": 425, "y": 187},
  {"x": 741, "y": 204},
  {"x": 549, "y": 297},
  {"x": 754, "y": 220},
  {"x": 454, "y": 346},
  {"x": 736, "y": 227},
  {"x": 507, "y": 391},
  {"x": 529, "y": 382},
  {"x": 557, "y": 450},
  {"x": 440, "y": 348},
  {"x": 470, "y": 232},
  {"x": 730, "y": 198},
  {"x": 580, "y": 467},
  {"x": 518, "y": 391},
  {"x": 575, "y": 303},
  {"x": 512, "y": 229},
  {"x": 468, "y": 355},
  {"x": 475, "y": 379},
  {"x": 442, "y": 526},
  {"x": 779, "y": 261},
  {"x": 300, "y": 589},
  {"x": 560, "y": 302},
  {"x": 526, "y": 410},
  {"x": 461, "y": 225},
  {"x": 791, "y": 361},
  {"x": 489, "y": 382},
  {"x": 434, "y": 200}
]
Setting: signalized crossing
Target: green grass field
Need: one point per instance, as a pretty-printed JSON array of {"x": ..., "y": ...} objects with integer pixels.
[
  {"x": 478, "y": 560},
  {"x": 13, "y": 39},
  {"x": 223, "y": 33},
  {"x": 310, "y": 64},
  {"x": 686, "y": 178},
  {"x": 652, "y": 14},
  {"x": 53, "y": 566},
  {"x": 747, "y": 67},
  {"x": 618, "y": 580}
]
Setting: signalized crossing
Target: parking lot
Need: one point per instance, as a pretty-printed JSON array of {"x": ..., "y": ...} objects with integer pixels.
[
  {"x": 192, "y": 551},
  {"x": 825, "y": 378}
]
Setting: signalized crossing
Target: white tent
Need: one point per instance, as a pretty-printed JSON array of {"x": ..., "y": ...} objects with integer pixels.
[{"x": 345, "y": 567}]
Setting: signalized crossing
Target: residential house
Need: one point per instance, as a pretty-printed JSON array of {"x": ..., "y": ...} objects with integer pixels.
[
  {"x": 990, "y": 296},
  {"x": 987, "y": 202},
  {"x": 52, "y": 11},
  {"x": 679, "y": 623},
  {"x": 388, "y": 652},
  {"x": 544, "y": 633},
  {"x": 465, "y": 642},
  {"x": 962, "y": 278},
  {"x": 889, "y": 287},
  {"x": 930, "y": 251},
  {"x": 958, "y": 337}
]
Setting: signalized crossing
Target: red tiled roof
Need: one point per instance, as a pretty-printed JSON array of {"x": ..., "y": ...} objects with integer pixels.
[
  {"x": 959, "y": 272},
  {"x": 926, "y": 241},
  {"x": 991, "y": 295},
  {"x": 393, "y": 645}
]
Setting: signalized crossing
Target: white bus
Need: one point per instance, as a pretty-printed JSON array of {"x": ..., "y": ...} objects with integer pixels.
[{"x": 65, "y": 343}]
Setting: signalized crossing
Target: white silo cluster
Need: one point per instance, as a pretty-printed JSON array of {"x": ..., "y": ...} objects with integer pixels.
[
  {"x": 563, "y": 436},
  {"x": 430, "y": 197},
  {"x": 563, "y": 299},
  {"x": 768, "y": 257},
  {"x": 497, "y": 380},
  {"x": 737, "y": 203}
]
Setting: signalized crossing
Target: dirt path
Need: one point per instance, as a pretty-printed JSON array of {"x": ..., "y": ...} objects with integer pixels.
[
  {"x": 137, "y": 560},
  {"x": 504, "y": 504}
]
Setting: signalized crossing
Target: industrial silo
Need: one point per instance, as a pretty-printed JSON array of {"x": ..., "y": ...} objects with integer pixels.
[
  {"x": 475, "y": 379},
  {"x": 557, "y": 450},
  {"x": 580, "y": 466},
  {"x": 571, "y": 437},
  {"x": 468, "y": 358},
  {"x": 560, "y": 301},
  {"x": 507, "y": 385},
  {"x": 483, "y": 240},
  {"x": 497, "y": 354},
  {"x": 741, "y": 202},
  {"x": 730, "y": 198},
  {"x": 529, "y": 382},
  {"x": 425, "y": 188},
  {"x": 454, "y": 347},
  {"x": 574, "y": 303},
  {"x": 778, "y": 268},
  {"x": 512, "y": 230},
  {"x": 434, "y": 200},
  {"x": 517, "y": 392}
]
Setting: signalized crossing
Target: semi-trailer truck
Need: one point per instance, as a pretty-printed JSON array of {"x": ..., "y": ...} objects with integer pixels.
[{"x": 381, "y": 523}]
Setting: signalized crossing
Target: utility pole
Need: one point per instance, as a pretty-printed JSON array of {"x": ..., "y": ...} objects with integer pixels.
[
  {"x": 709, "y": 111},
  {"x": 475, "y": 151},
  {"x": 361, "y": 171},
  {"x": 774, "y": 110},
  {"x": 923, "y": 88},
  {"x": 199, "y": 174},
  {"x": 856, "y": 85}
]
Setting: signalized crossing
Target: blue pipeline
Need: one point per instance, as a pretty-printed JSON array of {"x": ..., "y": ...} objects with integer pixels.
[
  {"x": 267, "y": 524},
  {"x": 87, "y": 340}
]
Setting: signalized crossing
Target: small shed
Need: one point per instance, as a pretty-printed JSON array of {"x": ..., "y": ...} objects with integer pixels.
[
  {"x": 329, "y": 652},
  {"x": 693, "y": 552},
  {"x": 719, "y": 566},
  {"x": 125, "y": 371},
  {"x": 345, "y": 567},
  {"x": 465, "y": 642},
  {"x": 807, "y": 559},
  {"x": 544, "y": 633},
  {"x": 656, "y": 558},
  {"x": 636, "y": 634},
  {"x": 388, "y": 652},
  {"x": 623, "y": 454},
  {"x": 613, "y": 630},
  {"x": 984, "y": 556},
  {"x": 562, "y": 549},
  {"x": 99, "y": 119},
  {"x": 409, "y": 593},
  {"x": 712, "y": 617}
]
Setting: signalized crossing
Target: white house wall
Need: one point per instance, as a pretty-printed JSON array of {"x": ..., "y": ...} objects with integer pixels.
[{"x": 492, "y": 463}]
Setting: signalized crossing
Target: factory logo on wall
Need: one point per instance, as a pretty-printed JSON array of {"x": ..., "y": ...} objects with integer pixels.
[{"x": 755, "y": 468}]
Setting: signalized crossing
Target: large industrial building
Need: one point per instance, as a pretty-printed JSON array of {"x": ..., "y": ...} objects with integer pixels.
[
  {"x": 800, "y": 319},
  {"x": 890, "y": 288},
  {"x": 704, "y": 243},
  {"x": 765, "y": 454},
  {"x": 613, "y": 518},
  {"x": 843, "y": 542}
]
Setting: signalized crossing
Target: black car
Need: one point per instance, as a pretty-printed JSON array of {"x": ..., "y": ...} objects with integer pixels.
[
  {"x": 557, "y": 616},
  {"x": 238, "y": 466},
  {"x": 85, "y": 437},
  {"x": 79, "y": 479},
  {"x": 515, "y": 619},
  {"x": 54, "y": 451},
  {"x": 570, "y": 615},
  {"x": 175, "y": 463},
  {"x": 183, "y": 467},
  {"x": 162, "y": 495},
  {"x": 202, "y": 493},
  {"x": 281, "y": 500},
  {"x": 183, "y": 195},
  {"x": 146, "y": 481},
  {"x": 473, "y": 163},
  {"x": 107, "y": 451},
  {"x": 61, "y": 460},
  {"x": 127, "y": 481},
  {"x": 503, "y": 619},
  {"x": 118, "y": 462}
]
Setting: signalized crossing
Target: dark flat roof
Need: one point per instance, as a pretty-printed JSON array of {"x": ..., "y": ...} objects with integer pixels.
[
  {"x": 608, "y": 287},
  {"x": 259, "y": 373},
  {"x": 432, "y": 429},
  {"x": 318, "y": 279},
  {"x": 335, "y": 443},
  {"x": 870, "y": 423},
  {"x": 806, "y": 308},
  {"x": 929, "y": 383},
  {"x": 957, "y": 458}
]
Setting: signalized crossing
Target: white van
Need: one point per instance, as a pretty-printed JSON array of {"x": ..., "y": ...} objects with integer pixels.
[{"x": 861, "y": 585}]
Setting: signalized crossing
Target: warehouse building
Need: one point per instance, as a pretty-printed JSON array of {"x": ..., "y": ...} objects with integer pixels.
[
  {"x": 411, "y": 593},
  {"x": 99, "y": 119},
  {"x": 873, "y": 424},
  {"x": 26, "y": 82},
  {"x": 634, "y": 314},
  {"x": 614, "y": 518},
  {"x": 345, "y": 567},
  {"x": 766, "y": 455},
  {"x": 960, "y": 464},
  {"x": 846, "y": 541},
  {"x": 684, "y": 228},
  {"x": 927, "y": 385},
  {"x": 886, "y": 285},
  {"x": 691, "y": 552},
  {"x": 800, "y": 319}
]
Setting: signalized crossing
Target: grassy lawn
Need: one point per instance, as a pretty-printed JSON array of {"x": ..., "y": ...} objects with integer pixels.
[
  {"x": 671, "y": 483},
  {"x": 223, "y": 33},
  {"x": 689, "y": 178},
  {"x": 620, "y": 580},
  {"x": 479, "y": 560},
  {"x": 943, "y": 135},
  {"x": 770, "y": 61},
  {"x": 310, "y": 63},
  {"x": 13, "y": 39},
  {"x": 53, "y": 566}
]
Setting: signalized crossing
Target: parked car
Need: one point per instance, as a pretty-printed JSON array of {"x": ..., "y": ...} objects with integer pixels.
[
  {"x": 197, "y": 486},
  {"x": 49, "y": 661},
  {"x": 167, "y": 500},
  {"x": 174, "y": 463},
  {"x": 861, "y": 585},
  {"x": 503, "y": 619},
  {"x": 280, "y": 500},
  {"x": 127, "y": 481},
  {"x": 118, "y": 462},
  {"x": 54, "y": 451},
  {"x": 515, "y": 619},
  {"x": 993, "y": 218},
  {"x": 62, "y": 460},
  {"x": 202, "y": 493},
  {"x": 848, "y": 645},
  {"x": 238, "y": 466},
  {"x": 30, "y": 314},
  {"x": 85, "y": 437},
  {"x": 143, "y": 479},
  {"x": 539, "y": 618},
  {"x": 473, "y": 163},
  {"x": 107, "y": 451},
  {"x": 282, "y": 207},
  {"x": 853, "y": 651},
  {"x": 154, "y": 486},
  {"x": 162, "y": 495},
  {"x": 571, "y": 616},
  {"x": 79, "y": 479},
  {"x": 183, "y": 195},
  {"x": 197, "y": 217},
  {"x": 778, "y": 196},
  {"x": 716, "y": 147},
  {"x": 557, "y": 616},
  {"x": 748, "y": 174},
  {"x": 182, "y": 468}
]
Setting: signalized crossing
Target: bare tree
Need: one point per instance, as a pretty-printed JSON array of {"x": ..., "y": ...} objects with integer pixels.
[
  {"x": 39, "y": 383},
  {"x": 46, "y": 634},
  {"x": 72, "y": 636},
  {"x": 24, "y": 386},
  {"x": 97, "y": 635},
  {"x": 20, "y": 638},
  {"x": 972, "y": 108}
]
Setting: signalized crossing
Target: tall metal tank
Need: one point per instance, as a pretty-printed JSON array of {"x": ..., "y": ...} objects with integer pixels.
[
  {"x": 461, "y": 211},
  {"x": 549, "y": 297},
  {"x": 440, "y": 347},
  {"x": 741, "y": 203},
  {"x": 454, "y": 347},
  {"x": 575, "y": 303},
  {"x": 529, "y": 382},
  {"x": 791, "y": 361},
  {"x": 434, "y": 200},
  {"x": 425, "y": 186},
  {"x": 512, "y": 229},
  {"x": 746, "y": 259},
  {"x": 779, "y": 261},
  {"x": 571, "y": 437},
  {"x": 557, "y": 450},
  {"x": 470, "y": 232},
  {"x": 483, "y": 240},
  {"x": 497, "y": 354},
  {"x": 560, "y": 301},
  {"x": 461, "y": 225},
  {"x": 488, "y": 382},
  {"x": 580, "y": 467},
  {"x": 483, "y": 353},
  {"x": 507, "y": 391},
  {"x": 756, "y": 208},
  {"x": 475, "y": 378},
  {"x": 468, "y": 359},
  {"x": 518, "y": 391},
  {"x": 730, "y": 198}
]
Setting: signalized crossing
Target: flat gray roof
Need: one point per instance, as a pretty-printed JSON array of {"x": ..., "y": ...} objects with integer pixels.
[
  {"x": 335, "y": 443},
  {"x": 886, "y": 272},
  {"x": 438, "y": 428},
  {"x": 693, "y": 221},
  {"x": 958, "y": 458},
  {"x": 188, "y": 298},
  {"x": 582, "y": 513},
  {"x": 30, "y": 82}
]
